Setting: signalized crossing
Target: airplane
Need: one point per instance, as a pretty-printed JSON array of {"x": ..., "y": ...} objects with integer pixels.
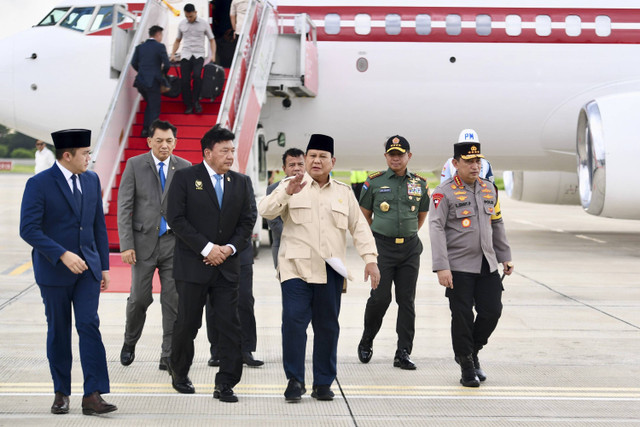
[{"x": 551, "y": 87}]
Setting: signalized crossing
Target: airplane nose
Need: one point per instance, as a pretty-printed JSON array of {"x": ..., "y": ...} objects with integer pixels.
[{"x": 7, "y": 101}]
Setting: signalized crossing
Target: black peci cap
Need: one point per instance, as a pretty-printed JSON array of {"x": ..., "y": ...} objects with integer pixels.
[
  {"x": 320, "y": 142},
  {"x": 71, "y": 138}
]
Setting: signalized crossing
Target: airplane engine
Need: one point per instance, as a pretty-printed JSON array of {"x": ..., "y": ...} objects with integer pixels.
[
  {"x": 552, "y": 187},
  {"x": 607, "y": 151}
]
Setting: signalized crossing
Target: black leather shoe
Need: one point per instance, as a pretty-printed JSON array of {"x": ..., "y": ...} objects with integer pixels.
[
  {"x": 402, "y": 360},
  {"x": 479, "y": 372},
  {"x": 198, "y": 108},
  {"x": 295, "y": 390},
  {"x": 247, "y": 359},
  {"x": 469, "y": 377},
  {"x": 189, "y": 110},
  {"x": 164, "y": 363},
  {"x": 127, "y": 354},
  {"x": 181, "y": 384},
  {"x": 225, "y": 393},
  {"x": 322, "y": 392},
  {"x": 214, "y": 360},
  {"x": 94, "y": 404},
  {"x": 365, "y": 351},
  {"x": 60, "y": 404}
]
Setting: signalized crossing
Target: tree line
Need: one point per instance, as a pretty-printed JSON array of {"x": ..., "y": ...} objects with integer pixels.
[{"x": 15, "y": 145}]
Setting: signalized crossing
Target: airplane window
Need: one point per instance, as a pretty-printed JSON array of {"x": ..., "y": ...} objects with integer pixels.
[
  {"x": 104, "y": 18},
  {"x": 513, "y": 25},
  {"x": 423, "y": 24},
  {"x": 53, "y": 17},
  {"x": 483, "y": 25},
  {"x": 603, "y": 26},
  {"x": 393, "y": 24},
  {"x": 363, "y": 24},
  {"x": 454, "y": 25},
  {"x": 543, "y": 25},
  {"x": 332, "y": 23},
  {"x": 78, "y": 19},
  {"x": 572, "y": 25}
]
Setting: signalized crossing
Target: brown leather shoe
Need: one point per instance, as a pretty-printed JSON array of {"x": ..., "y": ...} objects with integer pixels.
[
  {"x": 60, "y": 404},
  {"x": 94, "y": 404}
]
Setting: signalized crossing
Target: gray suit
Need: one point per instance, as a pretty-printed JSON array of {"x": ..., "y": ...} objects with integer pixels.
[{"x": 141, "y": 203}]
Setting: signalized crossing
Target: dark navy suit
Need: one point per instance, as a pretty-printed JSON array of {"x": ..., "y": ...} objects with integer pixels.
[
  {"x": 52, "y": 224},
  {"x": 148, "y": 60}
]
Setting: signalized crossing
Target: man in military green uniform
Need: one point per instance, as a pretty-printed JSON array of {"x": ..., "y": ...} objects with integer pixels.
[
  {"x": 468, "y": 241},
  {"x": 395, "y": 204}
]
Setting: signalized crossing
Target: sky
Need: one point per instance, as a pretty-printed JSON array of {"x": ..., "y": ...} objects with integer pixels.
[{"x": 22, "y": 14}]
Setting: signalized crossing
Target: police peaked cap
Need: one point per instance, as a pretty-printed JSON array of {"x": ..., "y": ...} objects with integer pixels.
[
  {"x": 71, "y": 138},
  {"x": 320, "y": 142},
  {"x": 467, "y": 150}
]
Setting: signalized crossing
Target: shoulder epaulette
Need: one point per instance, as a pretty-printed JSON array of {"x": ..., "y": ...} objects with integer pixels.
[
  {"x": 421, "y": 177},
  {"x": 376, "y": 174}
]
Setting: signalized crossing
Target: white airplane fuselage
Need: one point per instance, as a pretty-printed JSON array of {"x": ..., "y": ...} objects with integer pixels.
[
  {"x": 522, "y": 94},
  {"x": 67, "y": 84}
]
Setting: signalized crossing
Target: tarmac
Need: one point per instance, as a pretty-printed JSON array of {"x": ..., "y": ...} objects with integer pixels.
[{"x": 566, "y": 351}]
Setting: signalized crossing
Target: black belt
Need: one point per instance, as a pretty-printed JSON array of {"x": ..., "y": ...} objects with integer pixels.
[{"x": 396, "y": 240}]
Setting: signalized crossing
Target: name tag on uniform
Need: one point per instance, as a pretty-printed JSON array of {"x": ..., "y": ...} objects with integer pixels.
[
  {"x": 384, "y": 190},
  {"x": 414, "y": 189}
]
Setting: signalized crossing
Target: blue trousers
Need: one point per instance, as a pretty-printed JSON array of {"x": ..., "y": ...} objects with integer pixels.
[
  {"x": 83, "y": 295},
  {"x": 153, "y": 98},
  {"x": 319, "y": 304}
]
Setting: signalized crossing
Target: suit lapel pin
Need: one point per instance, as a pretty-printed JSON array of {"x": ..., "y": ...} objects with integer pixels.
[
  {"x": 199, "y": 185},
  {"x": 228, "y": 179}
]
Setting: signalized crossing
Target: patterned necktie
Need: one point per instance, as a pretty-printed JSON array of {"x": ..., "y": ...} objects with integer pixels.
[
  {"x": 77, "y": 195},
  {"x": 218, "y": 189},
  {"x": 163, "y": 222}
]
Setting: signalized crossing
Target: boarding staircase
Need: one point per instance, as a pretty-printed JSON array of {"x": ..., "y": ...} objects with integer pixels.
[
  {"x": 237, "y": 108},
  {"x": 190, "y": 127}
]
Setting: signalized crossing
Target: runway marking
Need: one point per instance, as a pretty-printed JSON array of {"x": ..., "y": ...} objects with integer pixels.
[
  {"x": 358, "y": 391},
  {"x": 581, "y": 236},
  {"x": 21, "y": 269},
  {"x": 535, "y": 224},
  {"x": 557, "y": 230}
]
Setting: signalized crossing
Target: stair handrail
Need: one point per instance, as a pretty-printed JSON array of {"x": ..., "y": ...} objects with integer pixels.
[
  {"x": 238, "y": 72},
  {"x": 122, "y": 109}
]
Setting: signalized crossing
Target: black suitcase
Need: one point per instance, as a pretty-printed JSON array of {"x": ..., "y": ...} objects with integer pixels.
[{"x": 212, "y": 81}]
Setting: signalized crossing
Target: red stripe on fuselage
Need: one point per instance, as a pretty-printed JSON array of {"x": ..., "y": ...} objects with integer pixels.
[{"x": 469, "y": 14}]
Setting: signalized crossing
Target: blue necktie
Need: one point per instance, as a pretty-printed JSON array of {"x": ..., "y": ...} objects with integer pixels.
[
  {"x": 218, "y": 189},
  {"x": 163, "y": 222},
  {"x": 77, "y": 195}
]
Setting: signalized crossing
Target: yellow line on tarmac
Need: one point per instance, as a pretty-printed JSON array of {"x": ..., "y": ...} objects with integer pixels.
[
  {"x": 360, "y": 390},
  {"x": 19, "y": 270}
]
